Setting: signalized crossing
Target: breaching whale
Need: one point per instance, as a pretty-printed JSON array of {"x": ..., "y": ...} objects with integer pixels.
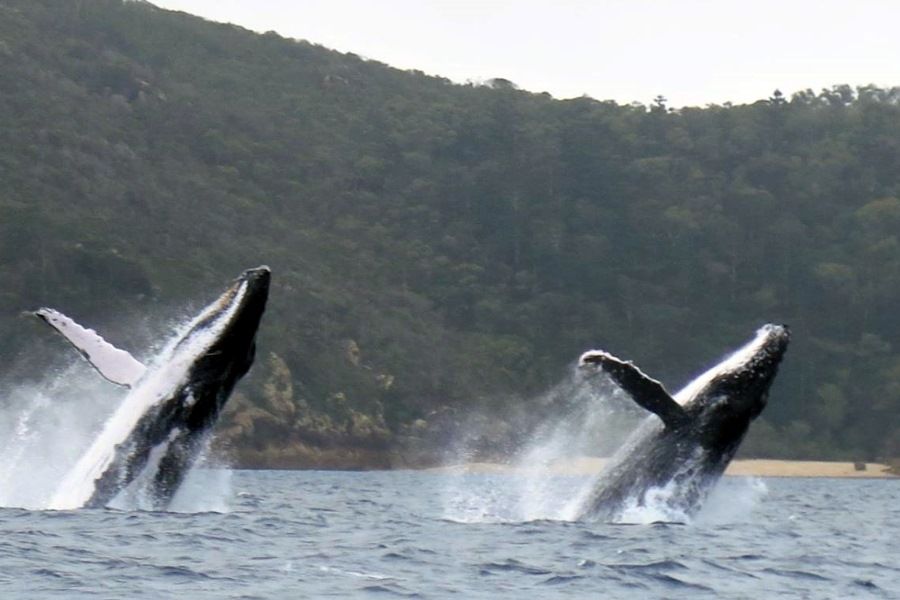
[
  {"x": 674, "y": 458},
  {"x": 162, "y": 424}
]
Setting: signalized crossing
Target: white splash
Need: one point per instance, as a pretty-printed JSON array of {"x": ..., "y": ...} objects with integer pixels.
[
  {"x": 137, "y": 494},
  {"x": 204, "y": 489},
  {"x": 658, "y": 505},
  {"x": 556, "y": 443},
  {"x": 44, "y": 427},
  {"x": 732, "y": 500},
  {"x": 546, "y": 478}
]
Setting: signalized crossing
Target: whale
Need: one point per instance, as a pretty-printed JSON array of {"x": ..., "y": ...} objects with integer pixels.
[
  {"x": 162, "y": 425},
  {"x": 677, "y": 454}
]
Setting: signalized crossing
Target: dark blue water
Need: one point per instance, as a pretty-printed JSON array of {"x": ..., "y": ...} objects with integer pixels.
[{"x": 433, "y": 535}]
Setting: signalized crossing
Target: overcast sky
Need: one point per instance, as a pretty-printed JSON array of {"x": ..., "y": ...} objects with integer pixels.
[{"x": 694, "y": 52}]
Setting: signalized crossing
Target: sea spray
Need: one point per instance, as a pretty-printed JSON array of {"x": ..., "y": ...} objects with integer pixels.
[
  {"x": 584, "y": 418},
  {"x": 588, "y": 424},
  {"x": 206, "y": 488},
  {"x": 733, "y": 500},
  {"x": 45, "y": 427}
]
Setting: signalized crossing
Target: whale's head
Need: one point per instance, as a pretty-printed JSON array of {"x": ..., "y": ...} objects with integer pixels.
[
  {"x": 734, "y": 392},
  {"x": 221, "y": 344}
]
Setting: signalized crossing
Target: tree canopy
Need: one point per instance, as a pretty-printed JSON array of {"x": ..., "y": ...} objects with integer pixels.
[{"x": 438, "y": 248}]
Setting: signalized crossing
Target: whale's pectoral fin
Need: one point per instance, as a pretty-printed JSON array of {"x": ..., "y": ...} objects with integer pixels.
[
  {"x": 118, "y": 366},
  {"x": 646, "y": 391}
]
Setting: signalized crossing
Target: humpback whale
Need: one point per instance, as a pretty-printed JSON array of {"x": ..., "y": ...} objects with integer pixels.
[
  {"x": 161, "y": 426},
  {"x": 676, "y": 456}
]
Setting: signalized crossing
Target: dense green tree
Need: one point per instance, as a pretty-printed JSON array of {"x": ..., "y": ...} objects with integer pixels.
[{"x": 467, "y": 241}]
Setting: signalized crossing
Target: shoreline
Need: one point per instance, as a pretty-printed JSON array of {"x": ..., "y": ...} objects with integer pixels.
[{"x": 754, "y": 467}]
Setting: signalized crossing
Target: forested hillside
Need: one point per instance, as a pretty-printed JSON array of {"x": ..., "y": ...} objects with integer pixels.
[{"x": 439, "y": 251}]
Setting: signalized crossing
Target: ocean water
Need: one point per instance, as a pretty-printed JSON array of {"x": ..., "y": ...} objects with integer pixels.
[{"x": 313, "y": 534}]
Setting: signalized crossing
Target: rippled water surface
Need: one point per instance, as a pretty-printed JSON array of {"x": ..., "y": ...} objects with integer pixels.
[{"x": 433, "y": 535}]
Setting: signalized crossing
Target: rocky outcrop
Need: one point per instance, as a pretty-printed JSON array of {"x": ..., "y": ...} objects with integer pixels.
[
  {"x": 280, "y": 430},
  {"x": 275, "y": 425}
]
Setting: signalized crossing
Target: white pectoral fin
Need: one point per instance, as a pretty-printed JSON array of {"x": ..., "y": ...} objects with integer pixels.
[{"x": 118, "y": 366}]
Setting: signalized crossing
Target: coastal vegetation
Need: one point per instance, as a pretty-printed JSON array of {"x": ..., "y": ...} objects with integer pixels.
[{"x": 441, "y": 253}]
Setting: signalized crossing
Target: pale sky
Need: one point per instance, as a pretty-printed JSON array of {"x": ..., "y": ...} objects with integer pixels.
[{"x": 693, "y": 52}]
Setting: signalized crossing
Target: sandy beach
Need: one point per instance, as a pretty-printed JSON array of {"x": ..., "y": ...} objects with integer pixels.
[
  {"x": 805, "y": 468},
  {"x": 747, "y": 467}
]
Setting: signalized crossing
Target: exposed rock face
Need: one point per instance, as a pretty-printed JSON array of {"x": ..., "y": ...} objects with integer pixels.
[
  {"x": 275, "y": 426},
  {"x": 280, "y": 429},
  {"x": 278, "y": 391},
  {"x": 352, "y": 352}
]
